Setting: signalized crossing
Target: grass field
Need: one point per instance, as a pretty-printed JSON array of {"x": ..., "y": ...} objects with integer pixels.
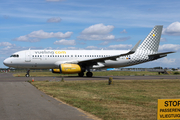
[
  {"x": 102, "y": 73},
  {"x": 124, "y": 100}
]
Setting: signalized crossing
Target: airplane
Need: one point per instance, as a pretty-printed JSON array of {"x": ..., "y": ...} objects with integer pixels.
[{"x": 80, "y": 61}]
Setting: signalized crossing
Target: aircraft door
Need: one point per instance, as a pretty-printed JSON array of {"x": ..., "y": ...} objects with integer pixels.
[{"x": 27, "y": 56}]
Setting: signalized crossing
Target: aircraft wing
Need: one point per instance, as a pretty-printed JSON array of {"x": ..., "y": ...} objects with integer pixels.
[{"x": 94, "y": 61}]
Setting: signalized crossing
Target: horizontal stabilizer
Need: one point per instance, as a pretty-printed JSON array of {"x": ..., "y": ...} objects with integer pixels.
[{"x": 160, "y": 54}]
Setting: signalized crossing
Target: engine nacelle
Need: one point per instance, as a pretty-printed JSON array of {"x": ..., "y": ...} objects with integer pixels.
[
  {"x": 55, "y": 70},
  {"x": 67, "y": 69}
]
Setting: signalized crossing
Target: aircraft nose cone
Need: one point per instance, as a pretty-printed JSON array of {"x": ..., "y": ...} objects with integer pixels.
[{"x": 6, "y": 62}]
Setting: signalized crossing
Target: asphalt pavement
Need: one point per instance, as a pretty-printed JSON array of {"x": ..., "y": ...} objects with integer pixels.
[{"x": 22, "y": 101}]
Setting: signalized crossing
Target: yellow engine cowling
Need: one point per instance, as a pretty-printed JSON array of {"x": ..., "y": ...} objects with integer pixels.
[
  {"x": 68, "y": 69},
  {"x": 55, "y": 70}
]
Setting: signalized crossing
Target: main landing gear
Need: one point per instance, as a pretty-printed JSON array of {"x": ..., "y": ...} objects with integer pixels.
[
  {"x": 27, "y": 74},
  {"x": 81, "y": 74},
  {"x": 88, "y": 74}
]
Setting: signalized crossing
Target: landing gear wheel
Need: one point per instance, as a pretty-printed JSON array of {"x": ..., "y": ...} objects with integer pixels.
[
  {"x": 27, "y": 75},
  {"x": 81, "y": 74},
  {"x": 89, "y": 74}
]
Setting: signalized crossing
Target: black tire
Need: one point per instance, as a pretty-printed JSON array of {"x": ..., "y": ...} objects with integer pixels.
[
  {"x": 89, "y": 74},
  {"x": 81, "y": 74},
  {"x": 27, "y": 75}
]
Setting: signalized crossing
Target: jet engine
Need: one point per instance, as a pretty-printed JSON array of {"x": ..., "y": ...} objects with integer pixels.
[{"x": 67, "y": 69}]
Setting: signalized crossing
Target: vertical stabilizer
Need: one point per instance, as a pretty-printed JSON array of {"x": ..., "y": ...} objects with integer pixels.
[{"x": 151, "y": 42}]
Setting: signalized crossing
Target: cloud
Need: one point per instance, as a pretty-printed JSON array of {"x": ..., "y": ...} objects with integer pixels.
[
  {"x": 164, "y": 62},
  {"x": 104, "y": 43},
  {"x": 65, "y": 42},
  {"x": 5, "y": 16},
  {"x": 69, "y": 48},
  {"x": 96, "y": 37},
  {"x": 36, "y": 36},
  {"x": 123, "y": 39},
  {"x": 100, "y": 29},
  {"x": 54, "y": 20},
  {"x": 5, "y": 44},
  {"x": 26, "y": 39},
  {"x": 120, "y": 46},
  {"x": 163, "y": 40},
  {"x": 169, "y": 47},
  {"x": 92, "y": 47},
  {"x": 97, "y": 32},
  {"x": 48, "y": 48},
  {"x": 172, "y": 29},
  {"x": 81, "y": 43},
  {"x": 44, "y": 35},
  {"x": 167, "y": 61},
  {"x": 8, "y": 50},
  {"x": 72, "y": 48},
  {"x": 124, "y": 31}
]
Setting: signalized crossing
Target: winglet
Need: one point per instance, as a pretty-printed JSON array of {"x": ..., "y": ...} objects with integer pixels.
[{"x": 135, "y": 47}]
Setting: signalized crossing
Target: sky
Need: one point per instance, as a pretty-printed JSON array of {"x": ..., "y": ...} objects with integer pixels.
[{"x": 89, "y": 25}]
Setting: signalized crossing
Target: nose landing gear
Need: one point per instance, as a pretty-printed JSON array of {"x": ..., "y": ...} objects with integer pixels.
[{"x": 27, "y": 74}]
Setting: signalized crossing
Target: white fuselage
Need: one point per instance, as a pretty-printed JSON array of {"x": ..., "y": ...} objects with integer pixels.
[{"x": 50, "y": 59}]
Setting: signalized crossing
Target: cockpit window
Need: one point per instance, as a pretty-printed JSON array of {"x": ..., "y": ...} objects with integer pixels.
[{"x": 15, "y": 55}]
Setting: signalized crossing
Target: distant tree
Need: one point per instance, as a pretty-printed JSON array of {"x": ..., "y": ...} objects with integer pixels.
[{"x": 173, "y": 69}]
